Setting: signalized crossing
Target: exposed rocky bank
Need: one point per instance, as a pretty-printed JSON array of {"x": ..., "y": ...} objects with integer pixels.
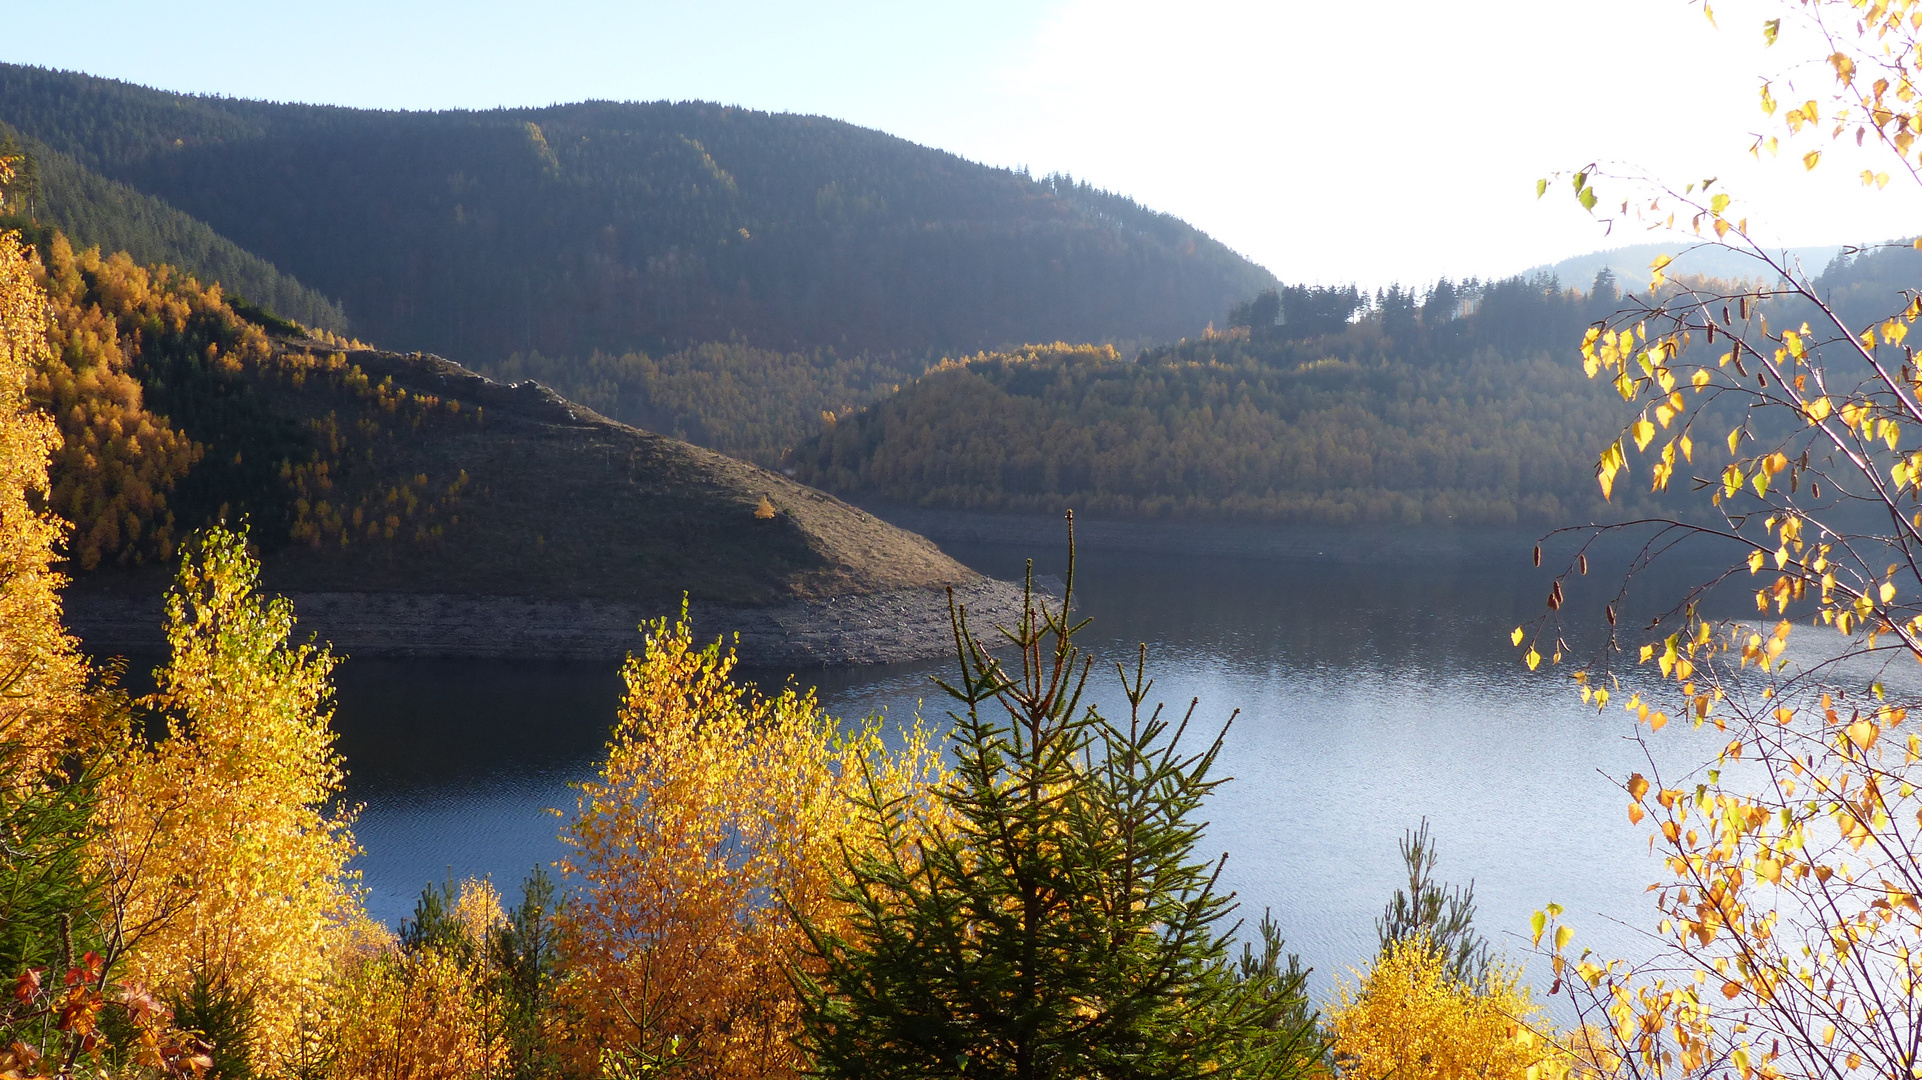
[{"x": 872, "y": 628}]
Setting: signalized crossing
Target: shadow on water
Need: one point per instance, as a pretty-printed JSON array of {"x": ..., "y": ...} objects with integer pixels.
[{"x": 1372, "y": 694}]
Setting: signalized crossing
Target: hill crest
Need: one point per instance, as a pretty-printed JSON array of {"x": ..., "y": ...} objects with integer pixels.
[{"x": 601, "y": 225}]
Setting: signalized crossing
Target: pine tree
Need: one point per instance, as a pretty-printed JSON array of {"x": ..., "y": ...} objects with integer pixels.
[
  {"x": 1058, "y": 922},
  {"x": 1442, "y": 915}
]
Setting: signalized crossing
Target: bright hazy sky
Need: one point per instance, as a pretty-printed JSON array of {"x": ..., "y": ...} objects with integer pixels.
[{"x": 1394, "y": 140}]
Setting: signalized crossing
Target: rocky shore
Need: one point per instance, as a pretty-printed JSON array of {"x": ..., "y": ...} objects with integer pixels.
[
  {"x": 1375, "y": 544},
  {"x": 872, "y": 628}
]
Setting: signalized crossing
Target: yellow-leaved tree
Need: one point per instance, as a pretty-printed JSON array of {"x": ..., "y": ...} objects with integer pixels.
[
  {"x": 59, "y": 946},
  {"x": 433, "y": 1009},
  {"x": 1790, "y": 934},
  {"x": 1410, "y": 1018},
  {"x": 223, "y": 831},
  {"x": 719, "y": 816},
  {"x": 42, "y": 677},
  {"x": 1436, "y": 1003},
  {"x": 118, "y": 461}
]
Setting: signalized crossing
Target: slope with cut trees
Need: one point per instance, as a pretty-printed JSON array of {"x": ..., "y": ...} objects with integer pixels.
[
  {"x": 611, "y": 226},
  {"x": 749, "y": 403}
]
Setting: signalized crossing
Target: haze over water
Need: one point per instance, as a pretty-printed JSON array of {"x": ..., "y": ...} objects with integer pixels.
[{"x": 1372, "y": 694}]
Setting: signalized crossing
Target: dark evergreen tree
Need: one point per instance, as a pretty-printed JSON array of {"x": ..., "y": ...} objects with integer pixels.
[
  {"x": 1056, "y": 922},
  {"x": 223, "y": 1017},
  {"x": 1257, "y": 314},
  {"x": 1445, "y": 915},
  {"x": 1309, "y": 311},
  {"x": 527, "y": 960}
]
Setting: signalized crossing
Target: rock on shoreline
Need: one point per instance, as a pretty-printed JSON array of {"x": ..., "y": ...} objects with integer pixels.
[{"x": 871, "y": 628}]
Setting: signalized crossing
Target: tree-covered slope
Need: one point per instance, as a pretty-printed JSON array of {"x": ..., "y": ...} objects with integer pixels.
[
  {"x": 56, "y": 191},
  {"x": 609, "y": 226},
  {"x": 1470, "y": 408}
]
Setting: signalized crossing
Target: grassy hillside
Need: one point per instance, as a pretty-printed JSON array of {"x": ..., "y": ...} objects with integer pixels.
[
  {"x": 56, "y": 191},
  {"x": 366, "y": 470},
  {"x": 604, "y": 226}
]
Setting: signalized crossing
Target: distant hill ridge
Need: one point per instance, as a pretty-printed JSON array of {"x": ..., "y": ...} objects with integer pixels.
[
  {"x": 1630, "y": 264},
  {"x": 612, "y": 226}
]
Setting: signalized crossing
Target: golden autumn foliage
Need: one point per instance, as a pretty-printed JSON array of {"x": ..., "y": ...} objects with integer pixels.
[
  {"x": 233, "y": 859},
  {"x": 119, "y": 329},
  {"x": 57, "y": 729},
  {"x": 119, "y": 460},
  {"x": 1407, "y": 1019},
  {"x": 1789, "y": 932},
  {"x": 427, "y": 1014},
  {"x": 719, "y": 816},
  {"x": 42, "y": 678}
]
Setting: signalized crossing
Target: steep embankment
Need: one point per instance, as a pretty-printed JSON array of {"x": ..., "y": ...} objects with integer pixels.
[{"x": 615, "y": 226}]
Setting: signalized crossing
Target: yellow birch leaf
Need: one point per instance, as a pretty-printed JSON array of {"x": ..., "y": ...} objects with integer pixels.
[{"x": 1643, "y": 431}]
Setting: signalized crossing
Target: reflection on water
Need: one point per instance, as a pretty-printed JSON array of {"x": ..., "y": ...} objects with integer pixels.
[{"x": 1370, "y": 696}]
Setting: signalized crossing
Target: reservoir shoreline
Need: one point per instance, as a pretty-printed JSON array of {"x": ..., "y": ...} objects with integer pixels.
[{"x": 889, "y": 627}]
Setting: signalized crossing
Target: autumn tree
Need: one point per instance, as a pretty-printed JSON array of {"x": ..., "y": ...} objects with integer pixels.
[
  {"x": 1435, "y": 1003},
  {"x": 715, "y": 822},
  {"x": 58, "y": 720},
  {"x": 223, "y": 833},
  {"x": 44, "y": 704},
  {"x": 1057, "y": 921},
  {"x": 435, "y": 1007},
  {"x": 1790, "y": 933},
  {"x": 119, "y": 461},
  {"x": 1410, "y": 1018}
]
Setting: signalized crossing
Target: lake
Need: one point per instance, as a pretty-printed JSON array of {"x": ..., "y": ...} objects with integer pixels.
[{"x": 1373, "y": 692}]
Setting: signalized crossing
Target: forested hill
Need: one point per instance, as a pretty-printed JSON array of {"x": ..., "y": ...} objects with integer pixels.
[
  {"x": 1466, "y": 405},
  {"x": 598, "y": 225},
  {"x": 52, "y": 190}
]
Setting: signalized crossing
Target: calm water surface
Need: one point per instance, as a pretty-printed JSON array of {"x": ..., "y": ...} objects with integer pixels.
[{"x": 1370, "y": 696}]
